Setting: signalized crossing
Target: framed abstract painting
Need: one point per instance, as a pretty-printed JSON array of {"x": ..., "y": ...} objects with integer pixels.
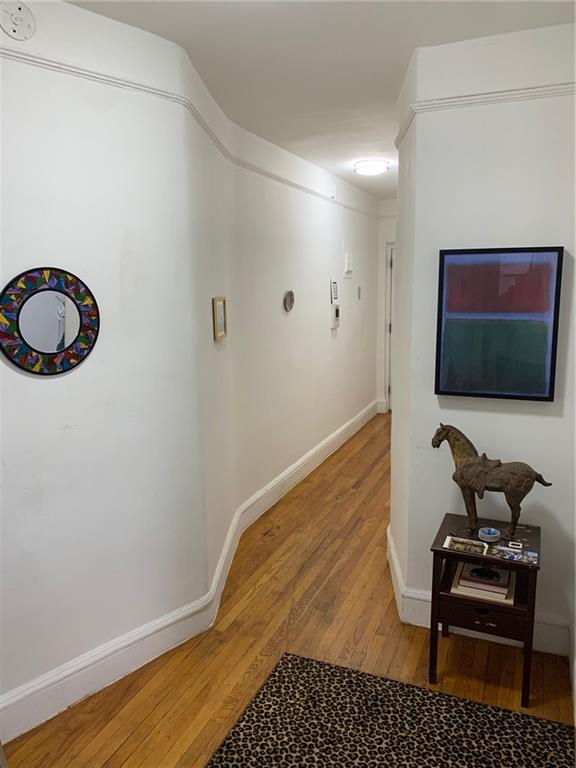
[{"x": 497, "y": 327}]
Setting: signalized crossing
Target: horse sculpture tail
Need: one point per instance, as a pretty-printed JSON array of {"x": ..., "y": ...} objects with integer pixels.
[{"x": 540, "y": 479}]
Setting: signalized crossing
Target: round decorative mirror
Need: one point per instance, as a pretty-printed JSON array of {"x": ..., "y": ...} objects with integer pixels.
[{"x": 49, "y": 321}]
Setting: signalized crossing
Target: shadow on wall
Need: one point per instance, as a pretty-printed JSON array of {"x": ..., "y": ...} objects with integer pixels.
[{"x": 537, "y": 513}]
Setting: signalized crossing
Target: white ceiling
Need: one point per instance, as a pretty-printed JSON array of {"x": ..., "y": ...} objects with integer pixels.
[{"x": 321, "y": 78}]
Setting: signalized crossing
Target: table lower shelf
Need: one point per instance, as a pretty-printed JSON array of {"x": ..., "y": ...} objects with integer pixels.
[{"x": 519, "y": 607}]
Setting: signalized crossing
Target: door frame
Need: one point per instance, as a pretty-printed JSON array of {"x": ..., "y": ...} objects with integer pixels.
[
  {"x": 388, "y": 329},
  {"x": 384, "y": 335}
]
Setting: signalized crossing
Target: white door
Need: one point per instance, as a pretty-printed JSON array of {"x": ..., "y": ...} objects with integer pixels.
[{"x": 388, "y": 319}]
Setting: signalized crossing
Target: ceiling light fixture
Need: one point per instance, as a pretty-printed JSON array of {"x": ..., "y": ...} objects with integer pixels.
[{"x": 371, "y": 167}]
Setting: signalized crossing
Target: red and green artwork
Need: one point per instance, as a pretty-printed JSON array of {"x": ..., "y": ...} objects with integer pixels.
[
  {"x": 498, "y": 322},
  {"x": 18, "y": 292}
]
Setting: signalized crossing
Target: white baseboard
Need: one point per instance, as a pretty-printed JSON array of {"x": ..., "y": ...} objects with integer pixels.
[
  {"x": 29, "y": 705},
  {"x": 551, "y": 633},
  {"x": 382, "y": 406}
]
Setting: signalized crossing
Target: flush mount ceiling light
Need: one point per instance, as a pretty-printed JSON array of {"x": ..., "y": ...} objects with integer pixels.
[{"x": 371, "y": 167}]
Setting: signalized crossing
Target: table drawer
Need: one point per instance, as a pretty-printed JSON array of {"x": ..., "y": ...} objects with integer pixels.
[{"x": 483, "y": 618}]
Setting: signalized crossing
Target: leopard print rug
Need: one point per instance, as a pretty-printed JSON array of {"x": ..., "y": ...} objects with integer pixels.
[{"x": 310, "y": 713}]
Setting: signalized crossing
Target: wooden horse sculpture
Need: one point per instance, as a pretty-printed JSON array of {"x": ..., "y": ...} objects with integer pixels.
[{"x": 476, "y": 474}]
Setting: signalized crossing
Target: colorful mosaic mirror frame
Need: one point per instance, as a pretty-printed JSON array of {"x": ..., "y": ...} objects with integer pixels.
[{"x": 15, "y": 295}]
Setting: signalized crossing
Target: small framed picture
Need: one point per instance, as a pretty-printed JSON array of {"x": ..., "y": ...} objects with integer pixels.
[{"x": 219, "y": 318}]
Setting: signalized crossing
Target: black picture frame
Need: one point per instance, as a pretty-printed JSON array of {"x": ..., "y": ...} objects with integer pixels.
[{"x": 444, "y": 254}]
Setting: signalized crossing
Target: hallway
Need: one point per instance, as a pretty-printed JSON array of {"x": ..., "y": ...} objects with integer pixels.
[{"x": 309, "y": 577}]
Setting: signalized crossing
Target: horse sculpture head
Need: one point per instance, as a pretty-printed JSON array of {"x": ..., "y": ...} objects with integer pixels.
[{"x": 440, "y": 435}]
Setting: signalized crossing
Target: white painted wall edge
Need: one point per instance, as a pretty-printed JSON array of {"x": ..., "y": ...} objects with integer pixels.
[
  {"x": 551, "y": 633},
  {"x": 29, "y": 705},
  {"x": 475, "y": 100}
]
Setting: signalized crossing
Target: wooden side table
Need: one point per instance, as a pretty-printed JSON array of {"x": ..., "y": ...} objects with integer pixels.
[{"x": 515, "y": 621}]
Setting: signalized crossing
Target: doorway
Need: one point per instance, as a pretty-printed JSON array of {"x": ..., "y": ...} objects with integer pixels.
[
  {"x": 390, "y": 248},
  {"x": 385, "y": 329}
]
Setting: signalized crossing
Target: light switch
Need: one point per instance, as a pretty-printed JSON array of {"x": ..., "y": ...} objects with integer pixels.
[{"x": 335, "y": 316}]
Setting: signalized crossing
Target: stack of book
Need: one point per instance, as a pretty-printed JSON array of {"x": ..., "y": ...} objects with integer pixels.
[{"x": 484, "y": 582}]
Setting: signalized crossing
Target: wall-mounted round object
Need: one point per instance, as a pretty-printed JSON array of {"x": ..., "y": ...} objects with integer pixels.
[
  {"x": 49, "y": 321},
  {"x": 288, "y": 301},
  {"x": 17, "y": 20}
]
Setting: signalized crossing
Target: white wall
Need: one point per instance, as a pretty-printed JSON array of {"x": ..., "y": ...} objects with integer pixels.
[
  {"x": 128, "y": 481},
  {"x": 495, "y": 170},
  {"x": 103, "y": 525}
]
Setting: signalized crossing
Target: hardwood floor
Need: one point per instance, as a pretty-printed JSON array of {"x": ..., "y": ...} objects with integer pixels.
[{"x": 309, "y": 577}]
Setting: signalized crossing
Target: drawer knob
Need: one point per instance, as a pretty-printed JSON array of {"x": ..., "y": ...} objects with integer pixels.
[{"x": 485, "y": 623}]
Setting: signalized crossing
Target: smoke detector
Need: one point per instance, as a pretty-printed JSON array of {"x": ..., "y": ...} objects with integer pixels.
[{"x": 16, "y": 20}]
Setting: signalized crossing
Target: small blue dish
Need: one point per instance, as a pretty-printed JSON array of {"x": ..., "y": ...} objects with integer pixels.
[{"x": 489, "y": 534}]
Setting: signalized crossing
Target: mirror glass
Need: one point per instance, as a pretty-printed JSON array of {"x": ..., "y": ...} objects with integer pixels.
[{"x": 49, "y": 321}]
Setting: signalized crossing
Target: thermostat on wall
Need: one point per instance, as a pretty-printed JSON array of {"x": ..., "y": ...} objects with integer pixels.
[
  {"x": 348, "y": 259},
  {"x": 333, "y": 291}
]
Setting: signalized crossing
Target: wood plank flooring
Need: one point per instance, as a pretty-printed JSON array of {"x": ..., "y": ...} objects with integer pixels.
[{"x": 309, "y": 577}]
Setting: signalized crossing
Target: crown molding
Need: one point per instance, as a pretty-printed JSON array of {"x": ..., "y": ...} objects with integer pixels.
[
  {"x": 480, "y": 99},
  {"x": 54, "y": 65}
]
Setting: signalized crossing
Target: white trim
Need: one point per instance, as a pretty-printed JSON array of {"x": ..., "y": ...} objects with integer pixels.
[
  {"x": 32, "y": 703},
  {"x": 382, "y": 406},
  {"x": 480, "y": 99},
  {"x": 551, "y": 633},
  {"x": 117, "y": 82}
]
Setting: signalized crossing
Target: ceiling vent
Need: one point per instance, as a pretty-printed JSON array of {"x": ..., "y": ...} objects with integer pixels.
[{"x": 16, "y": 20}]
